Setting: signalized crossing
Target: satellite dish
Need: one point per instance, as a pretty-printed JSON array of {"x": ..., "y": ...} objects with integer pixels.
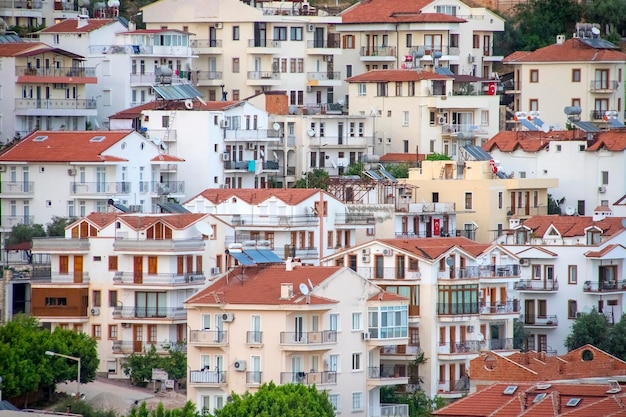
[
  {"x": 449, "y": 261},
  {"x": 595, "y": 30},
  {"x": 570, "y": 210},
  {"x": 311, "y": 133},
  {"x": 157, "y": 141},
  {"x": 164, "y": 146},
  {"x": 304, "y": 289},
  {"x": 545, "y": 128},
  {"x": 624, "y": 223},
  {"x": 205, "y": 229},
  {"x": 341, "y": 101},
  {"x": 189, "y": 104},
  {"x": 276, "y": 126},
  {"x": 480, "y": 336},
  {"x": 96, "y": 124}
]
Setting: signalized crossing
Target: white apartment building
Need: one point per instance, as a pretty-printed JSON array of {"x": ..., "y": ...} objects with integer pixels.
[
  {"x": 461, "y": 302},
  {"x": 570, "y": 265},
  {"x": 34, "y": 13},
  {"x": 309, "y": 224},
  {"x": 382, "y": 35},
  {"x": 424, "y": 111},
  {"x": 122, "y": 279},
  {"x": 71, "y": 174},
  {"x": 43, "y": 88},
  {"x": 586, "y": 70},
  {"x": 294, "y": 324},
  {"x": 244, "y": 48},
  {"x": 589, "y": 167}
]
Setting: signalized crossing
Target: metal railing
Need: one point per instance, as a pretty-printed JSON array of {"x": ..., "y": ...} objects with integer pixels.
[
  {"x": 429, "y": 49},
  {"x": 208, "y": 337},
  {"x": 499, "y": 344},
  {"x": 540, "y": 210},
  {"x": 537, "y": 285},
  {"x": 10, "y": 221},
  {"x": 461, "y": 348},
  {"x": 254, "y": 338},
  {"x": 263, "y": 43},
  {"x": 534, "y": 320},
  {"x": 451, "y": 309},
  {"x": 41, "y": 244},
  {"x": 149, "y": 312},
  {"x": 506, "y": 307},
  {"x": 130, "y": 346},
  {"x": 263, "y": 75},
  {"x": 55, "y": 104},
  {"x": 208, "y": 75},
  {"x": 354, "y": 218},
  {"x": 273, "y": 220},
  {"x": 324, "y": 75},
  {"x": 389, "y": 410},
  {"x": 604, "y": 286},
  {"x": 481, "y": 271},
  {"x": 99, "y": 188},
  {"x": 207, "y": 377},
  {"x": 20, "y": 4},
  {"x": 321, "y": 43},
  {"x": 196, "y": 277},
  {"x": 384, "y": 372},
  {"x": 176, "y": 187},
  {"x": 309, "y": 378},
  {"x": 254, "y": 377},
  {"x": 17, "y": 187},
  {"x": 378, "y": 51},
  {"x": 465, "y": 128},
  {"x": 56, "y": 277},
  {"x": 603, "y": 85},
  {"x": 205, "y": 43},
  {"x": 308, "y": 338},
  {"x": 57, "y": 72},
  {"x": 387, "y": 272}
]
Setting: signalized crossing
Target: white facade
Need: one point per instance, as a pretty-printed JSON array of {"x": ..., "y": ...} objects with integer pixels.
[{"x": 32, "y": 14}]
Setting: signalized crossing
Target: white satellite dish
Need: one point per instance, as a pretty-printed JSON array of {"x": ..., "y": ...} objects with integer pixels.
[
  {"x": 480, "y": 336},
  {"x": 276, "y": 126},
  {"x": 189, "y": 104},
  {"x": 205, "y": 229},
  {"x": 157, "y": 141},
  {"x": 545, "y": 128},
  {"x": 304, "y": 289},
  {"x": 311, "y": 133},
  {"x": 570, "y": 210},
  {"x": 624, "y": 223},
  {"x": 595, "y": 30}
]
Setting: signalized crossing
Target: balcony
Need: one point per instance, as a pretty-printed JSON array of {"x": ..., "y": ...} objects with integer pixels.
[
  {"x": 274, "y": 221},
  {"x": 99, "y": 188},
  {"x": 250, "y": 134},
  {"x": 271, "y": 166},
  {"x": 354, "y": 219},
  {"x": 406, "y": 351},
  {"x": 58, "y": 278},
  {"x": 323, "y": 47},
  {"x": 171, "y": 279},
  {"x": 600, "y": 287},
  {"x": 245, "y": 166},
  {"x": 263, "y": 46},
  {"x": 125, "y": 244},
  {"x": 142, "y": 313},
  {"x": 532, "y": 320},
  {"x": 309, "y": 378},
  {"x": 308, "y": 340},
  {"x": 481, "y": 271},
  {"x": 254, "y": 377},
  {"x": 263, "y": 78},
  {"x": 137, "y": 346},
  {"x": 459, "y": 348},
  {"x": 77, "y": 75},
  {"x": 17, "y": 188},
  {"x": 209, "y": 78},
  {"x": 207, "y": 377},
  {"x": 603, "y": 86},
  {"x": 429, "y": 49},
  {"x": 21, "y": 4},
  {"x": 499, "y": 308},
  {"x": 206, "y": 46},
  {"x": 144, "y": 78},
  {"x": 524, "y": 211},
  {"x": 324, "y": 78},
  {"x": 457, "y": 309},
  {"x": 498, "y": 344},
  {"x": 389, "y": 410},
  {"x": 378, "y": 53},
  {"x": 60, "y": 244},
  {"x": 167, "y": 187},
  {"x": 453, "y": 388},
  {"x": 254, "y": 338},
  {"x": 387, "y": 375},
  {"x": 36, "y": 106},
  {"x": 465, "y": 129},
  {"x": 387, "y": 272},
  {"x": 208, "y": 337},
  {"x": 529, "y": 285}
]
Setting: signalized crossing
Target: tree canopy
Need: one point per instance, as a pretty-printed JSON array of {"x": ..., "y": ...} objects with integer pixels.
[
  {"x": 590, "y": 328},
  {"x": 289, "y": 400},
  {"x": 138, "y": 366},
  {"x": 21, "y": 233},
  {"x": 318, "y": 178}
]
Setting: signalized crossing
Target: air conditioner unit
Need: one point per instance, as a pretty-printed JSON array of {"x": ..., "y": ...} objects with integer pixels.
[
  {"x": 215, "y": 270},
  {"x": 224, "y": 123},
  {"x": 239, "y": 366},
  {"x": 126, "y": 325},
  {"x": 189, "y": 278},
  {"x": 387, "y": 252},
  {"x": 310, "y": 27},
  {"x": 328, "y": 58},
  {"x": 251, "y": 146},
  {"x": 365, "y": 259},
  {"x": 219, "y": 25},
  {"x": 365, "y": 251},
  {"x": 602, "y": 189},
  {"x": 95, "y": 311},
  {"x": 470, "y": 329},
  {"x": 225, "y": 157},
  {"x": 441, "y": 120},
  {"x": 579, "y": 314},
  {"x": 71, "y": 172},
  {"x": 524, "y": 262},
  {"x": 3, "y": 168},
  {"x": 471, "y": 58},
  {"x": 135, "y": 208},
  {"x": 228, "y": 317},
  {"x": 366, "y": 336},
  {"x": 309, "y": 89}
]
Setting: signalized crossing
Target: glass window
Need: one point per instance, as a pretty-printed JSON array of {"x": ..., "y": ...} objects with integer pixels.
[
  {"x": 575, "y": 75},
  {"x": 235, "y": 33},
  {"x": 357, "y": 401},
  {"x": 296, "y": 33},
  {"x": 572, "y": 274},
  {"x": 356, "y": 361},
  {"x": 356, "y": 321}
]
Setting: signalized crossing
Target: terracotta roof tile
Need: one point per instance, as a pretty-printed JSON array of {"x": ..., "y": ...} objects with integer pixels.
[
  {"x": 433, "y": 248},
  {"x": 142, "y": 221},
  {"x": 17, "y": 48},
  {"x": 385, "y": 11},
  {"x": 612, "y": 140},
  {"x": 167, "y": 158},
  {"x": 402, "y": 157},
  {"x": 571, "y": 50},
  {"x": 570, "y": 226},
  {"x": 71, "y": 26},
  {"x": 395, "y": 75},
  {"x": 600, "y": 253},
  {"x": 64, "y": 146},
  {"x": 387, "y": 296},
  {"x": 291, "y": 196},
  {"x": 134, "y": 112},
  {"x": 528, "y": 141}
]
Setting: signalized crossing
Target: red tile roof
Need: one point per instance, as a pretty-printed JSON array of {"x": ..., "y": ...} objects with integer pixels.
[
  {"x": 402, "y": 157},
  {"x": 134, "y": 112},
  {"x": 612, "y": 140},
  {"x": 600, "y": 253},
  {"x": 152, "y": 31},
  {"x": 167, "y": 158},
  {"x": 263, "y": 286},
  {"x": 528, "y": 141},
  {"x": 398, "y": 75},
  {"x": 394, "y": 11},
  {"x": 17, "y": 48},
  {"x": 136, "y": 221},
  {"x": 570, "y": 226},
  {"x": 572, "y": 50},
  {"x": 71, "y": 26},
  {"x": 64, "y": 146},
  {"x": 433, "y": 248},
  {"x": 291, "y": 196}
]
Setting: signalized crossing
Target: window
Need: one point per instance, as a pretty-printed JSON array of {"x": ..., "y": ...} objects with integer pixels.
[
  {"x": 500, "y": 199},
  {"x": 572, "y": 274},
  {"x": 575, "y": 75},
  {"x": 112, "y": 263},
  {"x": 348, "y": 70},
  {"x": 96, "y": 331},
  {"x": 235, "y": 65},
  {"x": 576, "y": 102},
  {"x": 542, "y": 308},
  {"x": 432, "y": 43},
  {"x": 357, "y": 401},
  {"x": 348, "y": 42},
  {"x": 581, "y": 207},
  {"x": 96, "y": 298},
  {"x": 361, "y": 89},
  {"x": 334, "y": 401},
  {"x": 381, "y": 89},
  {"x": 235, "y": 33},
  {"x": 572, "y": 309},
  {"x": 398, "y": 89},
  {"x": 113, "y": 332},
  {"x": 409, "y": 40},
  {"x": 356, "y": 321},
  {"x": 533, "y": 104},
  {"x": 605, "y": 177},
  {"x": 475, "y": 41},
  {"x": 468, "y": 201},
  {"x": 113, "y": 298},
  {"x": 356, "y": 361},
  {"x": 454, "y": 40},
  {"x": 280, "y": 33},
  {"x": 333, "y": 321},
  {"x": 534, "y": 76},
  {"x": 457, "y": 299},
  {"x": 296, "y": 33}
]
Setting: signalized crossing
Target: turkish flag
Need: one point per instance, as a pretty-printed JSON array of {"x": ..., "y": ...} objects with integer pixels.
[{"x": 492, "y": 89}]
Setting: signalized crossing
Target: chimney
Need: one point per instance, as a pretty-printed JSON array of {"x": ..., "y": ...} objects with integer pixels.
[
  {"x": 82, "y": 21},
  {"x": 514, "y": 222},
  {"x": 286, "y": 291},
  {"x": 601, "y": 213},
  {"x": 560, "y": 39}
]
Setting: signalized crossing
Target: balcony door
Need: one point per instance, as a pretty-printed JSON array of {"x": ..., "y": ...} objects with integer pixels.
[
  {"x": 137, "y": 269},
  {"x": 137, "y": 338},
  {"x": 529, "y": 311},
  {"x": 298, "y": 328},
  {"x": 78, "y": 269}
]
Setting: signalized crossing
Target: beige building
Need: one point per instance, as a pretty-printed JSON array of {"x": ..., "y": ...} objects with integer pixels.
[
  {"x": 295, "y": 324},
  {"x": 488, "y": 198}
]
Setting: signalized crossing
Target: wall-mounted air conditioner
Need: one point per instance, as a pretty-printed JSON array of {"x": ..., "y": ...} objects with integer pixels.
[
  {"x": 71, "y": 172},
  {"x": 224, "y": 124},
  {"x": 365, "y": 251},
  {"x": 365, "y": 259},
  {"x": 602, "y": 189},
  {"x": 239, "y": 365},
  {"x": 524, "y": 262},
  {"x": 310, "y": 27},
  {"x": 225, "y": 157},
  {"x": 388, "y": 252},
  {"x": 219, "y": 25},
  {"x": 95, "y": 311},
  {"x": 366, "y": 336},
  {"x": 228, "y": 317},
  {"x": 251, "y": 146}
]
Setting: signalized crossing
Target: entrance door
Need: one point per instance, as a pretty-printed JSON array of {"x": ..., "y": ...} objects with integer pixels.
[
  {"x": 529, "y": 311},
  {"x": 137, "y": 338},
  {"x": 138, "y": 270},
  {"x": 78, "y": 269}
]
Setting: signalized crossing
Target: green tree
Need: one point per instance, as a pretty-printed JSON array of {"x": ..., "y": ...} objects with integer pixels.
[
  {"x": 57, "y": 225},
  {"x": 616, "y": 344},
  {"x": 319, "y": 178},
  {"x": 520, "y": 334},
  {"x": 138, "y": 366},
  {"x": 289, "y": 400},
  {"x": 188, "y": 410},
  {"x": 608, "y": 13},
  {"x": 437, "y": 157},
  {"x": 175, "y": 364},
  {"x": 420, "y": 404},
  {"x": 25, "y": 233},
  {"x": 355, "y": 168},
  {"x": 590, "y": 328},
  {"x": 398, "y": 170}
]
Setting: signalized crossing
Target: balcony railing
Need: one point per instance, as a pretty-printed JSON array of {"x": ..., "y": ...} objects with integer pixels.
[
  {"x": 20, "y": 4},
  {"x": 270, "y": 165},
  {"x": 429, "y": 49},
  {"x": 384, "y": 372},
  {"x": 389, "y": 410},
  {"x": 378, "y": 51},
  {"x": 354, "y": 218},
  {"x": 263, "y": 43},
  {"x": 468, "y": 346},
  {"x": 168, "y": 187},
  {"x": 282, "y": 221},
  {"x": 254, "y": 377},
  {"x": 533, "y": 320},
  {"x": 193, "y": 278},
  {"x": 537, "y": 285},
  {"x": 206, "y": 43},
  {"x": 480, "y": 271},
  {"x": 498, "y": 344},
  {"x": 54, "y": 104},
  {"x": 130, "y": 346},
  {"x": 308, "y": 338},
  {"x": 528, "y": 211},
  {"x": 99, "y": 188},
  {"x": 309, "y": 378},
  {"x": 604, "y": 286},
  {"x": 387, "y": 272},
  {"x": 209, "y": 337},
  {"x": 57, "y": 72},
  {"x": 17, "y": 187},
  {"x": 451, "y": 309},
  {"x": 10, "y": 221},
  {"x": 263, "y": 75},
  {"x": 208, "y": 75},
  {"x": 149, "y": 313},
  {"x": 507, "y": 307},
  {"x": 254, "y": 338},
  {"x": 61, "y": 279},
  {"x": 321, "y": 43},
  {"x": 465, "y": 128},
  {"x": 603, "y": 85},
  {"x": 207, "y": 377},
  {"x": 323, "y": 75}
]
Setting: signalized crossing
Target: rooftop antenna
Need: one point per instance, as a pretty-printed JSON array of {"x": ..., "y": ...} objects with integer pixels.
[{"x": 311, "y": 284}]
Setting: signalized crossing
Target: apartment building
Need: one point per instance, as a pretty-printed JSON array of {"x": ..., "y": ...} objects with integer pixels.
[
  {"x": 309, "y": 224},
  {"x": 244, "y": 48},
  {"x": 71, "y": 174},
  {"x": 588, "y": 166},
  {"x": 425, "y": 111},
  {"x": 385, "y": 35},
  {"x": 44, "y": 89},
  {"x": 461, "y": 301},
  {"x": 294, "y": 324},
  {"x": 570, "y": 264},
  {"x": 484, "y": 195},
  {"x": 587, "y": 70},
  {"x": 122, "y": 279},
  {"x": 35, "y": 13}
]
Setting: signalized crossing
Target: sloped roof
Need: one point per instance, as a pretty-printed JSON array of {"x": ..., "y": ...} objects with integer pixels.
[
  {"x": 17, "y": 48},
  {"x": 394, "y": 11},
  {"x": 64, "y": 146},
  {"x": 433, "y": 248},
  {"x": 167, "y": 158},
  {"x": 528, "y": 141},
  {"x": 402, "y": 157},
  {"x": 138, "y": 221},
  {"x": 134, "y": 112},
  {"x": 71, "y": 26},
  {"x": 572, "y": 50},
  {"x": 570, "y": 226},
  {"x": 398, "y": 75},
  {"x": 291, "y": 196},
  {"x": 612, "y": 140}
]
